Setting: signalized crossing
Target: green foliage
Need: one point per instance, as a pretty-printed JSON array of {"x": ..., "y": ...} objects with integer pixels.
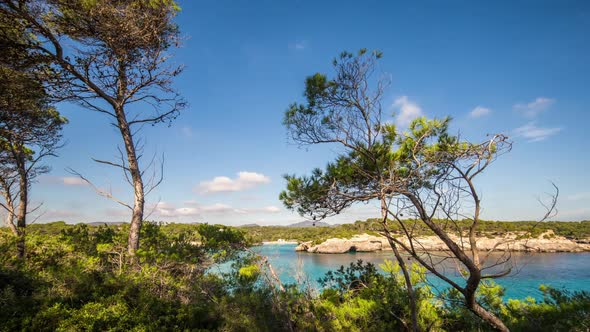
[
  {"x": 316, "y": 234},
  {"x": 84, "y": 280},
  {"x": 356, "y": 314},
  {"x": 560, "y": 310},
  {"x": 79, "y": 278},
  {"x": 30, "y": 127},
  {"x": 222, "y": 242},
  {"x": 351, "y": 279},
  {"x": 249, "y": 272},
  {"x": 382, "y": 297}
]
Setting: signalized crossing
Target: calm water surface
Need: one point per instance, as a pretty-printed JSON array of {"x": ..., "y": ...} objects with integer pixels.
[{"x": 560, "y": 270}]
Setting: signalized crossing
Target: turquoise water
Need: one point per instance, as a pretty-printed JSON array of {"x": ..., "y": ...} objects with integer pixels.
[{"x": 570, "y": 271}]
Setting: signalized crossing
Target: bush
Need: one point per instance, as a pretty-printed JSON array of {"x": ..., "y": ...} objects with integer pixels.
[{"x": 80, "y": 279}]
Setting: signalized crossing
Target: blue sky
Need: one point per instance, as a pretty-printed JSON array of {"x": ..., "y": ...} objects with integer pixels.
[{"x": 517, "y": 67}]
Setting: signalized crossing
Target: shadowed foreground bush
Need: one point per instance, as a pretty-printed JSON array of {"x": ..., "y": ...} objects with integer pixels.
[{"x": 81, "y": 279}]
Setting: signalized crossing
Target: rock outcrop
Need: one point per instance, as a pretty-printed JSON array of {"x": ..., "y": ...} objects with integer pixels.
[
  {"x": 546, "y": 242},
  {"x": 303, "y": 246}
]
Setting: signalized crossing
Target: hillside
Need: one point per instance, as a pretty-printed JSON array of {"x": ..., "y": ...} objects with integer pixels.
[{"x": 309, "y": 223}]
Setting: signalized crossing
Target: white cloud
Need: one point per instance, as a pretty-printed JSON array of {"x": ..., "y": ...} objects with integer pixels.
[
  {"x": 535, "y": 134},
  {"x": 266, "y": 209},
  {"x": 272, "y": 209},
  {"x": 217, "y": 208},
  {"x": 193, "y": 209},
  {"x": 166, "y": 209},
  {"x": 479, "y": 111},
  {"x": 409, "y": 110},
  {"x": 534, "y": 107},
  {"x": 245, "y": 180},
  {"x": 164, "y": 205},
  {"x": 185, "y": 212},
  {"x": 64, "y": 180},
  {"x": 73, "y": 181}
]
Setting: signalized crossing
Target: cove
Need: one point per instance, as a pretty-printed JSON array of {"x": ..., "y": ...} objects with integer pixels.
[{"x": 569, "y": 271}]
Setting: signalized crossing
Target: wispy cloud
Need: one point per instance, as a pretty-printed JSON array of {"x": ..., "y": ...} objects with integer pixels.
[
  {"x": 534, "y": 107},
  {"x": 408, "y": 111},
  {"x": 64, "y": 180},
  {"x": 479, "y": 111},
  {"x": 56, "y": 214},
  {"x": 186, "y": 131},
  {"x": 535, "y": 134},
  {"x": 73, "y": 181},
  {"x": 244, "y": 181},
  {"x": 299, "y": 45},
  {"x": 224, "y": 208},
  {"x": 266, "y": 209},
  {"x": 165, "y": 209},
  {"x": 215, "y": 208},
  {"x": 193, "y": 209}
]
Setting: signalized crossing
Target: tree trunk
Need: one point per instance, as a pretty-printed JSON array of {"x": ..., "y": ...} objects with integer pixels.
[
  {"x": 403, "y": 267},
  {"x": 9, "y": 208},
  {"x": 21, "y": 215},
  {"x": 10, "y": 222},
  {"x": 488, "y": 317},
  {"x": 135, "y": 172},
  {"x": 409, "y": 287},
  {"x": 474, "y": 271}
]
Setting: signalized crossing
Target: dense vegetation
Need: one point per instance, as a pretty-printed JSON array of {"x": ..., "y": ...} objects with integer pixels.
[
  {"x": 258, "y": 234},
  {"x": 80, "y": 278},
  {"x": 572, "y": 230}
]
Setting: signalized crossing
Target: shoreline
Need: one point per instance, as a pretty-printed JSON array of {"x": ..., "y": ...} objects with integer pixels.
[
  {"x": 279, "y": 241},
  {"x": 402, "y": 252},
  {"x": 547, "y": 242}
]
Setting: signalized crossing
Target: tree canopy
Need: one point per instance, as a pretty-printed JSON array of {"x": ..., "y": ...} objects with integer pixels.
[
  {"x": 30, "y": 127},
  {"x": 110, "y": 57},
  {"x": 421, "y": 172}
]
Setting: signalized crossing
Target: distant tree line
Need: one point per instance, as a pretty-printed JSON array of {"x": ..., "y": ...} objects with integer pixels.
[{"x": 575, "y": 230}]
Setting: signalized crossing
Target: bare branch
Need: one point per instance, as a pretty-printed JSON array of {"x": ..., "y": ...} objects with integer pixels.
[{"x": 99, "y": 191}]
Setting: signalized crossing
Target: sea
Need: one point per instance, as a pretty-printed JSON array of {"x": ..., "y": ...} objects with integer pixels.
[{"x": 567, "y": 271}]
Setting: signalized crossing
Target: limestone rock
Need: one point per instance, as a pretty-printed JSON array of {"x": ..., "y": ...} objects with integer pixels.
[
  {"x": 333, "y": 246},
  {"x": 303, "y": 246},
  {"x": 546, "y": 242}
]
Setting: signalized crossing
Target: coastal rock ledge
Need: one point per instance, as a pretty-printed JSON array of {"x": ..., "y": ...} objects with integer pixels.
[{"x": 546, "y": 242}]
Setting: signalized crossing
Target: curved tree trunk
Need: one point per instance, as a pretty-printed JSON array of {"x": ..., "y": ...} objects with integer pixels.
[
  {"x": 470, "y": 263},
  {"x": 409, "y": 287},
  {"x": 135, "y": 172},
  {"x": 488, "y": 317},
  {"x": 404, "y": 268}
]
